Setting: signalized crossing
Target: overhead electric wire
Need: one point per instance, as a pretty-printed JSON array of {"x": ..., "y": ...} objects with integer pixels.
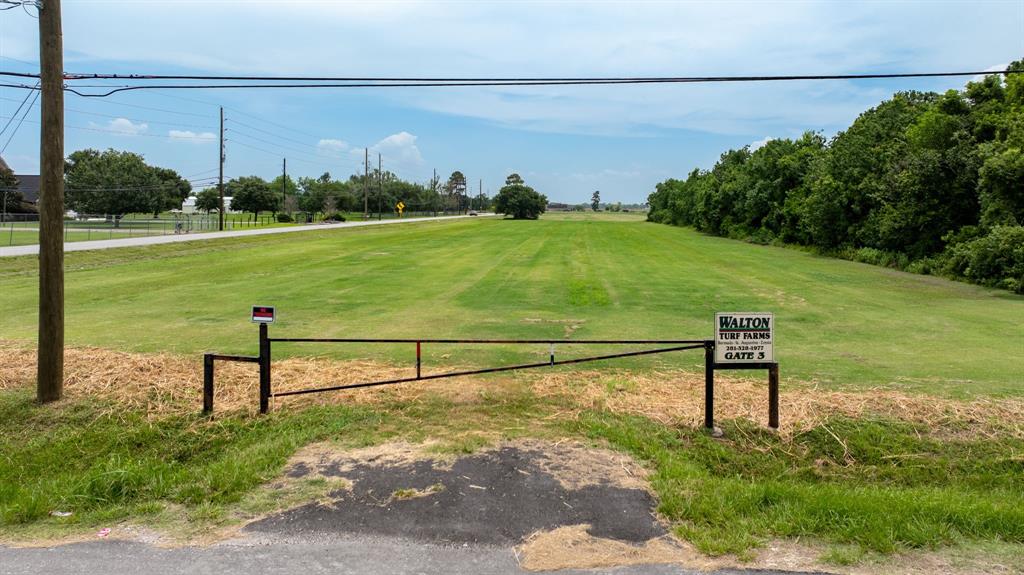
[
  {"x": 383, "y": 82},
  {"x": 20, "y": 122},
  {"x": 596, "y": 79},
  {"x": 197, "y": 137},
  {"x": 117, "y": 117},
  {"x": 16, "y": 112}
]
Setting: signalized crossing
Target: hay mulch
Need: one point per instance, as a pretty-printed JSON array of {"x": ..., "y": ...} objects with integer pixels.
[
  {"x": 677, "y": 398},
  {"x": 162, "y": 384}
]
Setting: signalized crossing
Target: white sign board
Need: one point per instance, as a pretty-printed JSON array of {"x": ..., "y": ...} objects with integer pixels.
[{"x": 744, "y": 337}]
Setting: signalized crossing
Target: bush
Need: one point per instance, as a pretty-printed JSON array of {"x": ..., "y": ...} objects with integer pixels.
[
  {"x": 520, "y": 201},
  {"x": 876, "y": 257},
  {"x": 996, "y": 259},
  {"x": 284, "y": 219},
  {"x": 334, "y": 217}
]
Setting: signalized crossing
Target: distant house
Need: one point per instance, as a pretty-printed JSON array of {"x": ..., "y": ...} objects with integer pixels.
[
  {"x": 189, "y": 205},
  {"x": 28, "y": 184}
]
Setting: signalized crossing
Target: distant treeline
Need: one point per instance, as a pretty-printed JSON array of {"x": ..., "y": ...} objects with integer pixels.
[{"x": 925, "y": 182}]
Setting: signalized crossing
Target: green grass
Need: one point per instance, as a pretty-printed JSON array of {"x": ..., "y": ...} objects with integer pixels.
[
  {"x": 24, "y": 238},
  {"x": 891, "y": 487},
  {"x": 840, "y": 323},
  {"x": 888, "y": 490}
]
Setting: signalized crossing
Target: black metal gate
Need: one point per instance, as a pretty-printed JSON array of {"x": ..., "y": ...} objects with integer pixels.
[{"x": 266, "y": 390}]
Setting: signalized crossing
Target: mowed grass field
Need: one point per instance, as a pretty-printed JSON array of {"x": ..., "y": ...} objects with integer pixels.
[
  {"x": 578, "y": 276},
  {"x": 924, "y": 475}
]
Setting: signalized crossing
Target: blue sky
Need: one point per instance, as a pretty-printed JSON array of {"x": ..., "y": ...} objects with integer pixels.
[{"x": 566, "y": 141}]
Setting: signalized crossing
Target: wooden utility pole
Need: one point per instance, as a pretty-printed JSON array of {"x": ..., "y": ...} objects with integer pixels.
[
  {"x": 366, "y": 183},
  {"x": 50, "y": 363},
  {"x": 220, "y": 184},
  {"x": 284, "y": 180},
  {"x": 380, "y": 188}
]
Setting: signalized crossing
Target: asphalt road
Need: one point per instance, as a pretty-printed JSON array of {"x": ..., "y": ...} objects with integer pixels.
[
  {"x": 170, "y": 239},
  {"x": 355, "y": 555},
  {"x": 469, "y": 518}
]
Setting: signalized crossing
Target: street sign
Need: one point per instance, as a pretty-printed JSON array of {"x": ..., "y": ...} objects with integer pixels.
[
  {"x": 744, "y": 337},
  {"x": 400, "y": 206},
  {"x": 262, "y": 314}
]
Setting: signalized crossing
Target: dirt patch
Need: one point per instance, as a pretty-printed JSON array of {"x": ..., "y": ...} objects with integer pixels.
[
  {"x": 498, "y": 496},
  {"x": 572, "y": 547}
]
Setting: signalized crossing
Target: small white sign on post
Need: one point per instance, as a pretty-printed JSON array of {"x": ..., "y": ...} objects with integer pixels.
[{"x": 744, "y": 337}]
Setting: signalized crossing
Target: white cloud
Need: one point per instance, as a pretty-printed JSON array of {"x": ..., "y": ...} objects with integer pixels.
[
  {"x": 996, "y": 68},
  {"x": 754, "y": 146},
  {"x": 332, "y": 146},
  {"x": 123, "y": 126},
  {"x": 398, "y": 148},
  {"x": 608, "y": 39},
  {"x": 190, "y": 136}
]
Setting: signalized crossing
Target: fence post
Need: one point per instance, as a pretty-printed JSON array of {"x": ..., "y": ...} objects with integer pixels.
[
  {"x": 773, "y": 396},
  {"x": 709, "y": 384},
  {"x": 264, "y": 369},
  {"x": 208, "y": 383}
]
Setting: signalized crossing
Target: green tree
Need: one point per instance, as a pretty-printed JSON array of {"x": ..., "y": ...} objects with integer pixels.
[
  {"x": 252, "y": 194},
  {"x": 12, "y": 200},
  {"x": 595, "y": 200},
  {"x": 208, "y": 200},
  {"x": 456, "y": 190},
  {"x": 112, "y": 183},
  {"x": 171, "y": 191},
  {"x": 519, "y": 200}
]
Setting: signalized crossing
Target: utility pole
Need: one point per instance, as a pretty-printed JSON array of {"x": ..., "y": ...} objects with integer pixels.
[
  {"x": 433, "y": 188},
  {"x": 284, "y": 180},
  {"x": 366, "y": 183},
  {"x": 50, "y": 362},
  {"x": 220, "y": 184},
  {"x": 480, "y": 196},
  {"x": 380, "y": 188}
]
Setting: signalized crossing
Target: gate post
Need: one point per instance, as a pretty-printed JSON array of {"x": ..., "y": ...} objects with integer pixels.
[
  {"x": 773, "y": 396},
  {"x": 264, "y": 369},
  {"x": 208, "y": 383},
  {"x": 709, "y": 384}
]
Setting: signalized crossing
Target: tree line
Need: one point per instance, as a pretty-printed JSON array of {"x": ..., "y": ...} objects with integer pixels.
[
  {"x": 115, "y": 183},
  {"x": 924, "y": 182},
  {"x": 375, "y": 191}
]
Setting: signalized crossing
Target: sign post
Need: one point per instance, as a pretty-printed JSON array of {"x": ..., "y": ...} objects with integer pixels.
[
  {"x": 264, "y": 316},
  {"x": 744, "y": 337},
  {"x": 401, "y": 207},
  {"x": 743, "y": 340}
]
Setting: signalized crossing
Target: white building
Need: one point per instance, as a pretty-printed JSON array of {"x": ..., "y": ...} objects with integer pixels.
[{"x": 189, "y": 205}]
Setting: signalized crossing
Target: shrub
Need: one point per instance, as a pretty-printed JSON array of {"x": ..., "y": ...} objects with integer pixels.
[
  {"x": 996, "y": 259},
  {"x": 284, "y": 218},
  {"x": 334, "y": 217}
]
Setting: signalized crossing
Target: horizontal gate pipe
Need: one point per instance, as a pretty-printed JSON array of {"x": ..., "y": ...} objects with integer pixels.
[
  {"x": 488, "y": 370},
  {"x": 538, "y": 341},
  {"x": 242, "y": 358}
]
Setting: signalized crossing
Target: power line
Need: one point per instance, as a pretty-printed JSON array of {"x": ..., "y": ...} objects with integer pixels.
[
  {"x": 20, "y": 122},
  {"x": 595, "y": 79},
  {"x": 124, "y": 133},
  {"x": 464, "y": 82},
  {"x": 118, "y": 117},
  {"x": 20, "y": 106}
]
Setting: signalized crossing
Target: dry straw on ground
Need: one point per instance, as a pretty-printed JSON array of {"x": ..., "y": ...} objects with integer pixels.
[{"x": 164, "y": 383}]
